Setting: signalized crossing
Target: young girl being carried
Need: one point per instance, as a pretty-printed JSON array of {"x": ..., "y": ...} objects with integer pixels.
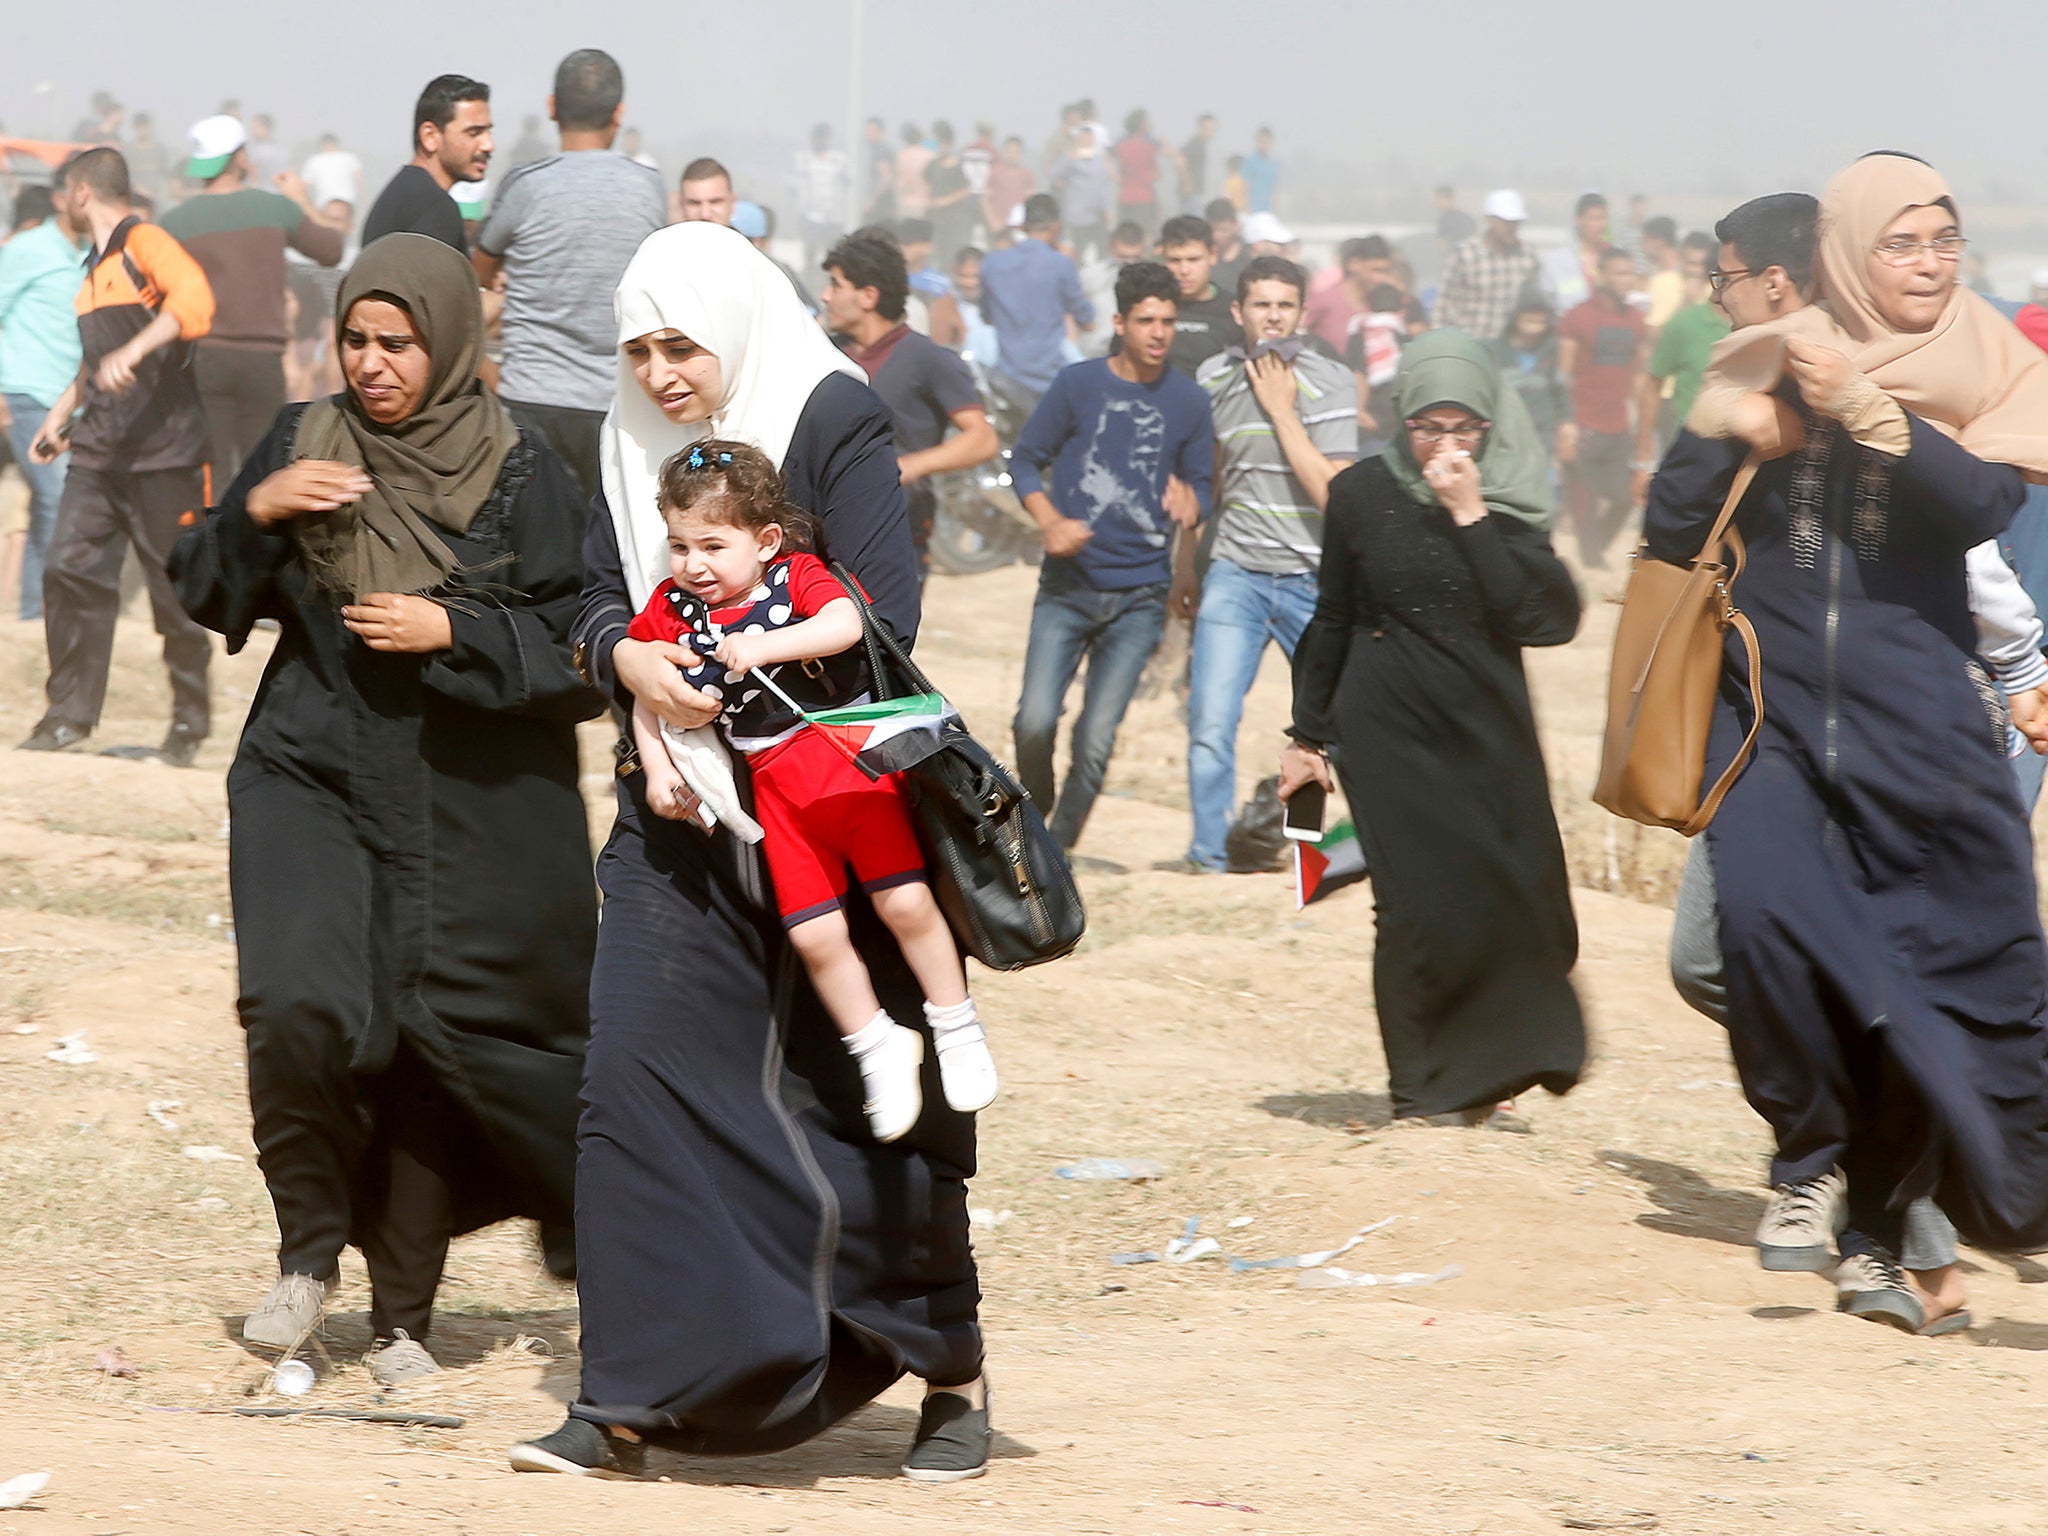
[{"x": 747, "y": 595}]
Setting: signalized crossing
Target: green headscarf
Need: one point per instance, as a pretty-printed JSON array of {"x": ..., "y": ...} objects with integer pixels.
[
  {"x": 433, "y": 470},
  {"x": 1449, "y": 368}
]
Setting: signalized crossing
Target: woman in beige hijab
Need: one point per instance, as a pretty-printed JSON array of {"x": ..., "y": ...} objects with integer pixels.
[{"x": 1885, "y": 967}]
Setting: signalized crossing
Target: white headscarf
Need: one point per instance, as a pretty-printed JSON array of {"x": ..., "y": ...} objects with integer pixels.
[{"x": 710, "y": 284}]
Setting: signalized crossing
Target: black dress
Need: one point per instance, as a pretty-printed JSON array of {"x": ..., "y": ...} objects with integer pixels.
[
  {"x": 1874, "y": 872},
  {"x": 1412, "y": 671},
  {"x": 754, "y": 1265},
  {"x": 410, "y": 863}
]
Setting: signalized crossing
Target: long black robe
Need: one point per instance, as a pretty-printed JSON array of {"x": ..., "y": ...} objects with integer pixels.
[
  {"x": 1875, "y": 876},
  {"x": 1412, "y": 670},
  {"x": 754, "y": 1264},
  {"x": 410, "y": 865}
]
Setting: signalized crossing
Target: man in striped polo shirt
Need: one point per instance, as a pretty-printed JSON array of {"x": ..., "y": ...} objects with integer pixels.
[{"x": 1286, "y": 422}]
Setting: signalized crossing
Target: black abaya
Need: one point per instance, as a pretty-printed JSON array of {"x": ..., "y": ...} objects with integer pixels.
[
  {"x": 754, "y": 1264},
  {"x": 1412, "y": 671},
  {"x": 410, "y": 868}
]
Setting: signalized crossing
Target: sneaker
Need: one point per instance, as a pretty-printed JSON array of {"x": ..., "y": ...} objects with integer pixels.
[
  {"x": 292, "y": 1310},
  {"x": 966, "y": 1069},
  {"x": 581, "y": 1449},
  {"x": 403, "y": 1359},
  {"x": 890, "y": 1074},
  {"x": 952, "y": 1440},
  {"x": 1872, "y": 1285},
  {"x": 1801, "y": 1224},
  {"x": 52, "y": 736}
]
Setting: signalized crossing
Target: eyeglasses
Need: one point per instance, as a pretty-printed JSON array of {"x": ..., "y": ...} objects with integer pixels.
[
  {"x": 1431, "y": 432},
  {"x": 1719, "y": 279},
  {"x": 1903, "y": 253}
]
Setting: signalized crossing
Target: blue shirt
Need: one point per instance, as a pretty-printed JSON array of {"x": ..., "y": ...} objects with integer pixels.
[
  {"x": 1261, "y": 176},
  {"x": 40, "y": 274},
  {"x": 1027, "y": 292},
  {"x": 1110, "y": 445}
]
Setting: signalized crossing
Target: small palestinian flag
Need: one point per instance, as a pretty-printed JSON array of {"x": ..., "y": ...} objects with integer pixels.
[
  {"x": 1329, "y": 865},
  {"x": 888, "y": 735}
]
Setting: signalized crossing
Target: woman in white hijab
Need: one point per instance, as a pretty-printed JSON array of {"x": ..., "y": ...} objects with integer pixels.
[{"x": 754, "y": 1265}]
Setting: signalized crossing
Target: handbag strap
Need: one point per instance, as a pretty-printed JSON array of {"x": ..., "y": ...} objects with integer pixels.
[
  {"x": 885, "y": 653},
  {"x": 1725, "y": 533}
]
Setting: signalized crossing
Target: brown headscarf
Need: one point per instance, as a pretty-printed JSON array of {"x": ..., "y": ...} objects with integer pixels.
[
  {"x": 432, "y": 470},
  {"x": 1973, "y": 376}
]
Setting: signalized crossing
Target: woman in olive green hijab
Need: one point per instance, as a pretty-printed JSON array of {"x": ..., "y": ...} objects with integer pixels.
[{"x": 1408, "y": 690}]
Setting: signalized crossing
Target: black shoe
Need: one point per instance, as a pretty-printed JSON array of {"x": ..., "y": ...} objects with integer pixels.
[
  {"x": 181, "y": 745},
  {"x": 581, "y": 1449},
  {"x": 52, "y": 736},
  {"x": 952, "y": 1440}
]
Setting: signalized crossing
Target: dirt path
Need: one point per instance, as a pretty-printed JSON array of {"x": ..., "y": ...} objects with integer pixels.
[{"x": 1607, "y": 1358}]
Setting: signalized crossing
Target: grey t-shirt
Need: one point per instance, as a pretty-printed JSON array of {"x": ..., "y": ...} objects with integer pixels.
[
  {"x": 565, "y": 227},
  {"x": 1266, "y": 521}
]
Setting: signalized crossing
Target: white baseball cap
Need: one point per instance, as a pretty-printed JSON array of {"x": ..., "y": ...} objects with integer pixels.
[
  {"x": 214, "y": 142},
  {"x": 1263, "y": 228},
  {"x": 1505, "y": 204}
]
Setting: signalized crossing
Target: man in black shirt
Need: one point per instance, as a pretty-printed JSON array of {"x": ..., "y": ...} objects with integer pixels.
[
  {"x": 1204, "y": 325},
  {"x": 928, "y": 389},
  {"x": 451, "y": 142}
]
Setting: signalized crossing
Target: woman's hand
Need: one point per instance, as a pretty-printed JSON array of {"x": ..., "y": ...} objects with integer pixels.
[
  {"x": 1454, "y": 476},
  {"x": 1823, "y": 375},
  {"x": 652, "y": 672},
  {"x": 1300, "y": 765},
  {"x": 395, "y": 621},
  {"x": 2030, "y": 718},
  {"x": 306, "y": 485}
]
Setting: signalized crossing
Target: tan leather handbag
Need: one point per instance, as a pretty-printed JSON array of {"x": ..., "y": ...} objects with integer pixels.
[{"x": 1665, "y": 674}]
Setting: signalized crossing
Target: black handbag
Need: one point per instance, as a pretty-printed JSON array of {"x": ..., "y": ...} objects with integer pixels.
[{"x": 999, "y": 876}]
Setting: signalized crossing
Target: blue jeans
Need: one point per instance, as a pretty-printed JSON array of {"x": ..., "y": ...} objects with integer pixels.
[
  {"x": 1241, "y": 611},
  {"x": 1116, "y": 632},
  {"x": 45, "y": 485}
]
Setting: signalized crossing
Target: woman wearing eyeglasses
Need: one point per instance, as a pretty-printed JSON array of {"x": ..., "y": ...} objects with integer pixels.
[
  {"x": 1408, "y": 689},
  {"x": 1884, "y": 962}
]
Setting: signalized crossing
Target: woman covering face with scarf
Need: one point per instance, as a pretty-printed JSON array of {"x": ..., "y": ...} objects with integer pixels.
[
  {"x": 407, "y": 844},
  {"x": 1876, "y": 895},
  {"x": 754, "y": 1264},
  {"x": 1437, "y": 570}
]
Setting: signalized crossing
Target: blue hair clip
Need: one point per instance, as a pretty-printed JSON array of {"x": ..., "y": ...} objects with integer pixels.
[{"x": 697, "y": 460}]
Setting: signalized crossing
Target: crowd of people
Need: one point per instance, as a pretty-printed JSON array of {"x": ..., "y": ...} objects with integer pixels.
[{"x": 490, "y": 471}]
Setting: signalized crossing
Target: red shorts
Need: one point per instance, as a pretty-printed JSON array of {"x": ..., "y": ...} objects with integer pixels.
[{"x": 821, "y": 814}]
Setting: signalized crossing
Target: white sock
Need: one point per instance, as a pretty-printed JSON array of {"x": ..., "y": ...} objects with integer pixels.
[
  {"x": 872, "y": 1036},
  {"x": 951, "y": 1017}
]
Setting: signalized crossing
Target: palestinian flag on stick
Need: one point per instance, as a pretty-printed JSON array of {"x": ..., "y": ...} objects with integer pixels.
[
  {"x": 888, "y": 735},
  {"x": 1321, "y": 867}
]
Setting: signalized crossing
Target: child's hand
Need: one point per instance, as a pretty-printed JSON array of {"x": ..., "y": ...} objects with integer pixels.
[{"x": 739, "y": 653}]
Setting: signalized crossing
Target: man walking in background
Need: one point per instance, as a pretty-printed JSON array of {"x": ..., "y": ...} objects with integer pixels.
[
  {"x": 40, "y": 269},
  {"x": 1261, "y": 174},
  {"x": 1490, "y": 273},
  {"x": 138, "y": 454},
  {"x": 451, "y": 142},
  {"x": 1286, "y": 420},
  {"x": 928, "y": 389},
  {"x": 1599, "y": 353},
  {"x": 561, "y": 233},
  {"x": 1195, "y": 169},
  {"x": 238, "y": 233},
  {"x": 1028, "y": 291},
  {"x": 1571, "y": 273},
  {"x": 1205, "y": 323},
  {"x": 820, "y": 194},
  {"x": 1092, "y": 466}
]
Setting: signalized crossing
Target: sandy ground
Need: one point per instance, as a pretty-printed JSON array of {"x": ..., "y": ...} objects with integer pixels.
[{"x": 1607, "y": 1358}]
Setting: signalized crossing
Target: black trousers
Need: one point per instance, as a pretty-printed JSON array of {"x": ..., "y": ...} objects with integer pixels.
[
  {"x": 1598, "y": 483},
  {"x": 570, "y": 431},
  {"x": 242, "y": 392},
  {"x": 101, "y": 514}
]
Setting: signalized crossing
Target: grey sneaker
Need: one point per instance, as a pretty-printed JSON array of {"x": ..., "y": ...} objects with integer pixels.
[
  {"x": 1801, "y": 1224},
  {"x": 290, "y": 1312},
  {"x": 404, "y": 1359},
  {"x": 1872, "y": 1285}
]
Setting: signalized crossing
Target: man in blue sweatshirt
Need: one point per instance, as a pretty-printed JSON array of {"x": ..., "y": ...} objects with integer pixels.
[{"x": 1113, "y": 441}]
